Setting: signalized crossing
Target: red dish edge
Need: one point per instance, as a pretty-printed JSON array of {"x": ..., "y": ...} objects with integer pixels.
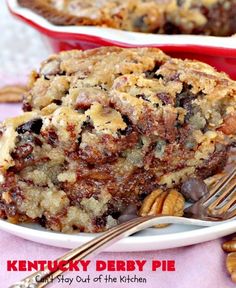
[
  {"x": 213, "y": 51},
  {"x": 223, "y": 59}
]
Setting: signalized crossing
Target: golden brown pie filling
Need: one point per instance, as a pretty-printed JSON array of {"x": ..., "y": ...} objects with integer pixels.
[{"x": 104, "y": 128}]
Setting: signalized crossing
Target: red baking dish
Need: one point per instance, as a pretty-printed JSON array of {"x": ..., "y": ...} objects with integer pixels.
[{"x": 219, "y": 52}]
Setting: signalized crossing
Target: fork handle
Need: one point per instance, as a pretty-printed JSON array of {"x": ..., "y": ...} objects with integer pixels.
[{"x": 95, "y": 246}]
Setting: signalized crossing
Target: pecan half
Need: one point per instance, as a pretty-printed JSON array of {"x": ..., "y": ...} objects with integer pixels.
[
  {"x": 230, "y": 246},
  {"x": 169, "y": 202},
  {"x": 12, "y": 93},
  {"x": 231, "y": 265},
  {"x": 229, "y": 125}
]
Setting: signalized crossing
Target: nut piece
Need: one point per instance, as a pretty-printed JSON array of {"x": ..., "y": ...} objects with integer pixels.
[
  {"x": 233, "y": 276},
  {"x": 173, "y": 204},
  {"x": 12, "y": 93},
  {"x": 169, "y": 202},
  {"x": 231, "y": 265},
  {"x": 149, "y": 201},
  {"x": 229, "y": 125},
  {"x": 230, "y": 246},
  {"x": 231, "y": 262}
]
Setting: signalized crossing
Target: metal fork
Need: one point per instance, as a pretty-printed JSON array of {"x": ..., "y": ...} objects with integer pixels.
[{"x": 218, "y": 206}]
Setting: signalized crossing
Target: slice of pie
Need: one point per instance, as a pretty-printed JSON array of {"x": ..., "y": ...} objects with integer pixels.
[{"x": 104, "y": 128}]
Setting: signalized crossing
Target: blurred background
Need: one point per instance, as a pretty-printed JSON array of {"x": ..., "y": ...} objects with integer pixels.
[{"x": 21, "y": 49}]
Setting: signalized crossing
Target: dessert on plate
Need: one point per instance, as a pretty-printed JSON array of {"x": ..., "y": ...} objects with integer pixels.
[
  {"x": 208, "y": 17},
  {"x": 104, "y": 128}
]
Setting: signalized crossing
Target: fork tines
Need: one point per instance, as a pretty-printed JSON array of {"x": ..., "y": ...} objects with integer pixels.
[{"x": 222, "y": 198}]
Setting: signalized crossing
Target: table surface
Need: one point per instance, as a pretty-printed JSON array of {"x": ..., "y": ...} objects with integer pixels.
[{"x": 198, "y": 266}]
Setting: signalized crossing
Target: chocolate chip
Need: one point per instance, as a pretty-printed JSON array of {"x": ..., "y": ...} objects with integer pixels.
[
  {"x": 171, "y": 28},
  {"x": 130, "y": 210},
  {"x": 27, "y": 107},
  {"x": 129, "y": 213},
  {"x": 151, "y": 74},
  {"x": 33, "y": 126},
  {"x": 74, "y": 227},
  {"x": 43, "y": 221},
  {"x": 193, "y": 189},
  {"x": 142, "y": 96},
  {"x": 184, "y": 98},
  {"x": 115, "y": 214},
  {"x": 125, "y": 218},
  {"x": 143, "y": 195},
  {"x": 57, "y": 101},
  {"x": 129, "y": 129}
]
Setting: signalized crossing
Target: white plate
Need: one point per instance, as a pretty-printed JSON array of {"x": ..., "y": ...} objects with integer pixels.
[{"x": 150, "y": 239}]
